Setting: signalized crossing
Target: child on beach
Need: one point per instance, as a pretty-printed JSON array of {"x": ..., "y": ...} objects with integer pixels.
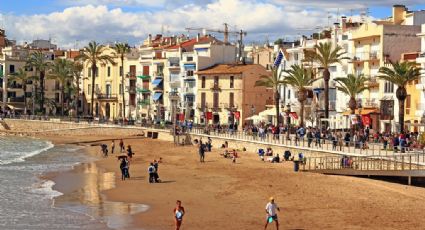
[
  {"x": 178, "y": 214},
  {"x": 271, "y": 208}
]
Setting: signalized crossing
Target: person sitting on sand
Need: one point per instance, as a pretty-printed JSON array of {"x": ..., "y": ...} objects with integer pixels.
[
  {"x": 178, "y": 213},
  {"x": 271, "y": 208},
  {"x": 225, "y": 154},
  {"x": 261, "y": 154},
  {"x": 276, "y": 159},
  {"x": 269, "y": 152},
  {"x": 129, "y": 151}
]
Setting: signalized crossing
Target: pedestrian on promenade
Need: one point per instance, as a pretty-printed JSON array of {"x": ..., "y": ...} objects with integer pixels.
[
  {"x": 309, "y": 137},
  {"x": 317, "y": 136},
  {"x": 178, "y": 213},
  {"x": 271, "y": 208}
]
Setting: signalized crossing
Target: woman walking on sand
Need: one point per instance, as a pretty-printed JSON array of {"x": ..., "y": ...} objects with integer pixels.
[
  {"x": 112, "y": 147},
  {"x": 122, "y": 147},
  {"x": 178, "y": 214}
]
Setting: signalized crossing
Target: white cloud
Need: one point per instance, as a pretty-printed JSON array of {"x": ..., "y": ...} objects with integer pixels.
[{"x": 103, "y": 23}]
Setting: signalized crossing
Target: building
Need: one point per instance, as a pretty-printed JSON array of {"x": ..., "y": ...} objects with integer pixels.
[
  {"x": 420, "y": 87},
  {"x": 227, "y": 93}
]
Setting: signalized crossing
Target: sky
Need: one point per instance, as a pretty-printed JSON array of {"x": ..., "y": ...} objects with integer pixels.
[{"x": 73, "y": 23}]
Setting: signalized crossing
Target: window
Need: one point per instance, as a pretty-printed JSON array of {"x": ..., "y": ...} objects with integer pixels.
[
  {"x": 97, "y": 71},
  {"x": 232, "y": 82},
  {"x": 203, "y": 98},
  {"x": 296, "y": 56},
  {"x": 189, "y": 73},
  {"x": 120, "y": 91},
  {"x": 289, "y": 94},
  {"x": 121, "y": 71},
  {"x": 11, "y": 68},
  {"x": 146, "y": 70},
  {"x": 57, "y": 97},
  {"x": 388, "y": 87},
  {"x": 96, "y": 89},
  {"x": 203, "y": 82},
  {"x": 109, "y": 71},
  {"x": 215, "y": 80},
  {"x": 89, "y": 73},
  {"x": 231, "y": 100},
  {"x": 108, "y": 90},
  {"x": 89, "y": 89},
  {"x": 189, "y": 59},
  {"x": 408, "y": 104},
  {"x": 215, "y": 102}
]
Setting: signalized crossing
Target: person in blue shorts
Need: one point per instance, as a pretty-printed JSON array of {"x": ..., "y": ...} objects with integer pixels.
[{"x": 271, "y": 208}]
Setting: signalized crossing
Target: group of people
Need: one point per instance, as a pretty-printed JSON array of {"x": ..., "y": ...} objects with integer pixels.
[{"x": 153, "y": 171}]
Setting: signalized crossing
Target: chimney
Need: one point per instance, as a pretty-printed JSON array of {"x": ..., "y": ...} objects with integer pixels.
[
  {"x": 344, "y": 23},
  {"x": 399, "y": 14},
  {"x": 149, "y": 39},
  {"x": 197, "y": 37}
]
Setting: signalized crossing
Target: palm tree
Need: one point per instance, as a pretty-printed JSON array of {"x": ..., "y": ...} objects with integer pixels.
[
  {"x": 272, "y": 82},
  {"x": 121, "y": 50},
  {"x": 21, "y": 75},
  {"x": 61, "y": 71},
  {"x": 40, "y": 63},
  {"x": 93, "y": 54},
  {"x": 76, "y": 69},
  {"x": 352, "y": 85},
  {"x": 400, "y": 74},
  {"x": 325, "y": 56},
  {"x": 300, "y": 79}
]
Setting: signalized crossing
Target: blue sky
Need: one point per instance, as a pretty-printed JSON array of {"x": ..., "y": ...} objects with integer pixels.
[{"x": 73, "y": 22}]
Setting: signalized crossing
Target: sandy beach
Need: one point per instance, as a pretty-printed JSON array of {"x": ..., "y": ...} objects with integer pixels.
[{"x": 221, "y": 195}]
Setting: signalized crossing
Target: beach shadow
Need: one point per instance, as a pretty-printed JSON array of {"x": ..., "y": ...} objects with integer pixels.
[
  {"x": 167, "y": 181},
  {"x": 138, "y": 178}
]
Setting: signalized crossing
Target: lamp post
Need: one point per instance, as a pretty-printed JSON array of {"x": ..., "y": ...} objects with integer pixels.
[{"x": 174, "y": 98}]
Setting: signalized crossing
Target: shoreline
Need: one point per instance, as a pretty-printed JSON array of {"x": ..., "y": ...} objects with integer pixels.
[{"x": 222, "y": 195}]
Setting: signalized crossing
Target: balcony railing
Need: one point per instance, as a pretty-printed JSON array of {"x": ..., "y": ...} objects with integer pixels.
[
  {"x": 15, "y": 86},
  {"x": 132, "y": 89},
  {"x": 107, "y": 96},
  {"x": 131, "y": 75},
  {"x": 144, "y": 102},
  {"x": 16, "y": 99},
  {"x": 373, "y": 82}
]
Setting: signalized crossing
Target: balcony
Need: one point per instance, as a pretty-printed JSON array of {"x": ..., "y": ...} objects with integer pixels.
[
  {"x": 364, "y": 56},
  {"x": 16, "y": 99},
  {"x": 143, "y": 76},
  {"x": 14, "y": 86},
  {"x": 143, "y": 102},
  {"x": 132, "y": 89},
  {"x": 143, "y": 90},
  {"x": 229, "y": 106},
  {"x": 215, "y": 87},
  {"x": 189, "y": 90},
  {"x": 131, "y": 75},
  {"x": 107, "y": 97},
  {"x": 373, "y": 82},
  {"x": 368, "y": 103}
]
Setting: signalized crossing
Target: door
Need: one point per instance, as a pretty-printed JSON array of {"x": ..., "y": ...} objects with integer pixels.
[
  {"x": 146, "y": 70},
  {"x": 108, "y": 91},
  {"x": 108, "y": 110}
]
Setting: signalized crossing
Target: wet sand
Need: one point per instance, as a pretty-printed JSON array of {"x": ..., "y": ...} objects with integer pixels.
[{"x": 222, "y": 195}]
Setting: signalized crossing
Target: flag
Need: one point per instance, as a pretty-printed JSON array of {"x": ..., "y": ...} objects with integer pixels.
[
  {"x": 293, "y": 115},
  {"x": 278, "y": 59}
]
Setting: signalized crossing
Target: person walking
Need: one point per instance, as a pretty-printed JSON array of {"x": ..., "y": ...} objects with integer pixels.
[
  {"x": 201, "y": 152},
  {"x": 122, "y": 147},
  {"x": 112, "y": 147},
  {"x": 151, "y": 171},
  {"x": 271, "y": 208},
  {"x": 178, "y": 213}
]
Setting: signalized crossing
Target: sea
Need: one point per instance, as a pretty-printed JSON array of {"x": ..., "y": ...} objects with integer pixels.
[{"x": 28, "y": 202}]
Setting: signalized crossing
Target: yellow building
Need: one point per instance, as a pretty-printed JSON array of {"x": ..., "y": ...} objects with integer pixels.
[
  {"x": 228, "y": 93},
  {"x": 375, "y": 45}
]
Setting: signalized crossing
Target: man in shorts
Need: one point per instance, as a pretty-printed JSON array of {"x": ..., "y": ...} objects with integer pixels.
[
  {"x": 178, "y": 212},
  {"x": 271, "y": 208}
]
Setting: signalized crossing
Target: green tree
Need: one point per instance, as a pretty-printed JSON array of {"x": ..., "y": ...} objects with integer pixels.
[
  {"x": 400, "y": 74},
  {"x": 61, "y": 71},
  {"x": 21, "y": 76},
  {"x": 41, "y": 64},
  {"x": 325, "y": 55},
  {"x": 93, "y": 54},
  {"x": 300, "y": 79},
  {"x": 122, "y": 49},
  {"x": 272, "y": 82},
  {"x": 352, "y": 85}
]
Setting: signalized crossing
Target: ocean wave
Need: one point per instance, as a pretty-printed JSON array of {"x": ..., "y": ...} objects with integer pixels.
[
  {"x": 45, "y": 188},
  {"x": 20, "y": 158}
]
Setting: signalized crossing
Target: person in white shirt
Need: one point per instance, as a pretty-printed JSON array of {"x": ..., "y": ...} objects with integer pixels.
[{"x": 271, "y": 208}]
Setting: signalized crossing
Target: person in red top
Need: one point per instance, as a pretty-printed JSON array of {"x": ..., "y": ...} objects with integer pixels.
[{"x": 178, "y": 214}]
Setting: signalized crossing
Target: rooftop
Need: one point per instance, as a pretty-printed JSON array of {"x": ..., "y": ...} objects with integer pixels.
[{"x": 228, "y": 69}]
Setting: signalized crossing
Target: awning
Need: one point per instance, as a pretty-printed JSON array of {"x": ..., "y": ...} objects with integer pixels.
[
  {"x": 363, "y": 111},
  {"x": 201, "y": 49},
  {"x": 387, "y": 98},
  {"x": 144, "y": 77},
  {"x": 157, "y": 96},
  {"x": 190, "y": 66},
  {"x": 12, "y": 107},
  {"x": 139, "y": 90},
  {"x": 189, "y": 79},
  {"x": 157, "y": 81}
]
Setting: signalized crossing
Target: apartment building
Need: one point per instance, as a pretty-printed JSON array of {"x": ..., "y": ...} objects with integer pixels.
[
  {"x": 377, "y": 44},
  {"x": 227, "y": 93},
  {"x": 185, "y": 59},
  {"x": 420, "y": 86}
]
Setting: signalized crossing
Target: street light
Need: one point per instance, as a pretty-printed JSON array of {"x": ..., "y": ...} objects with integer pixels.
[
  {"x": 288, "y": 119},
  {"x": 174, "y": 98}
]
